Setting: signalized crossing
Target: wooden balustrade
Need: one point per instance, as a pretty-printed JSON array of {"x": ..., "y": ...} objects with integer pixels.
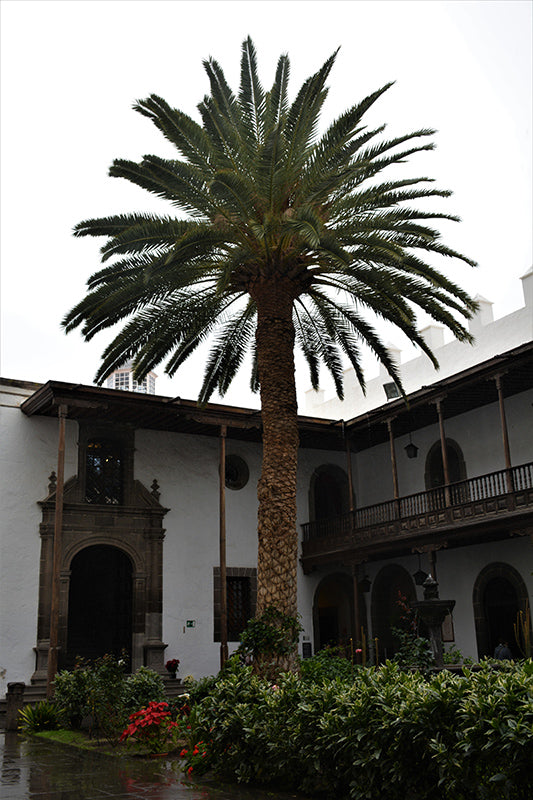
[{"x": 474, "y": 490}]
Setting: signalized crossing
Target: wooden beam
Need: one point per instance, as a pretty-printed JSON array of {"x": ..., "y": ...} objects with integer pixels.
[{"x": 222, "y": 550}]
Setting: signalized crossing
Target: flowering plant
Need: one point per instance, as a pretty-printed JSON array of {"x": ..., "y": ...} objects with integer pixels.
[
  {"x": 173, "y": 665},
  {"x": 152, "y": 726},
  {"x": 196, "y": 758}
]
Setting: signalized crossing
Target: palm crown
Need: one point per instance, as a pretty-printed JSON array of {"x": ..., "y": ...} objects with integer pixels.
[
  {"x": 266, "y": 200},
  {"x": 285, "y": 238}
]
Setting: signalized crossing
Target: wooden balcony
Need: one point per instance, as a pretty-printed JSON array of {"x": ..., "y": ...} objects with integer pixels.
[{"x": 485, "y": 508}]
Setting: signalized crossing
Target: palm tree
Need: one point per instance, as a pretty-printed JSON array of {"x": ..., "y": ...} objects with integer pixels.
[{"x": 283, "y": 238}]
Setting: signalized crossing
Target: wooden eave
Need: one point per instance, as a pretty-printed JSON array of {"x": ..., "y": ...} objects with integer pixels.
[{"x": 462, "y": 392}]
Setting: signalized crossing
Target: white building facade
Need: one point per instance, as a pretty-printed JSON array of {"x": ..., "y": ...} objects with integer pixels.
[{"x": 140, "y": 533}]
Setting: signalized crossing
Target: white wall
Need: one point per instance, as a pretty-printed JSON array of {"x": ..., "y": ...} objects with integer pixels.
[
  {"x": 27, "y": 457},
  {"x": 492, "y": 337},
  {"x": 457, "y": 571},
  {"x": 186, "y": 468}
]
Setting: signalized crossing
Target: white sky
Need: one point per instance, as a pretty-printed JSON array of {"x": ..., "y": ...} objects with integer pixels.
[{"x": 72, "y": 70}]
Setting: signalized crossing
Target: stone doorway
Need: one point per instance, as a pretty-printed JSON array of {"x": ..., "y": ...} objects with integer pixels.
[
  {"x": 499, "y": 594},
  {"x": 333, "y": 612},
  {"x": 99, "y": 605}
]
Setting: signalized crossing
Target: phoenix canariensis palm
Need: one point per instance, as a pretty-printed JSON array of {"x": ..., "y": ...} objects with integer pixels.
[{"x": 284, "y": 238}]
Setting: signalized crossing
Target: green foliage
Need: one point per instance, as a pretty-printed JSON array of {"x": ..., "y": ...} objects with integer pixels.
[
  {"x": 141, "y": 688},
  {"x": 269, "y": 199},
  {"x": 452, "y": 655},
  {"x": 100, "y": 693},
  {"x": 71, "y": 693},
  {"x": 414, "y": 651},
  {"x": 387, "y": 733},
  {"x": 43, "y": 716},
  {"x": 269, "y": 641},
  {"x": 327, "y": 664}
]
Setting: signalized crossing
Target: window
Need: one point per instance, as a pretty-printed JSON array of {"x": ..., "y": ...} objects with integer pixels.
[
  {"x": 391, "y": 390},
  {"x": 103, "y": 472},
  {"x": 241, "y": 588},
  {"x": 122, "y": 381},
  {"x": 237, "y": 472},
  {"x": 239, "y": 606}
]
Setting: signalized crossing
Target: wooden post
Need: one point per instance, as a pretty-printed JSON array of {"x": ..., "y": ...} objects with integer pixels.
[
  {"x": 444, "y": 451},
  {"x": 349, "y": 467},
  {"x": 357, "y": 612},
  {"x": 56, "y": 564},
  {"x": 394, "y": 467},
  {"x": 505, "y": 435},
  {"x": 222, "y": 546}
]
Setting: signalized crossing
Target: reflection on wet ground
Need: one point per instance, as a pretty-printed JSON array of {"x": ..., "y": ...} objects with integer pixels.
[{"x": 34, "y": 769}]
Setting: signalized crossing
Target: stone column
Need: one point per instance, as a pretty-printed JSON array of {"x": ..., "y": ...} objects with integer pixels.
[{"x": 15, "y": 701}]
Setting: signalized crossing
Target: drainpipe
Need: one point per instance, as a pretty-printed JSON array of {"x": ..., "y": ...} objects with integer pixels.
[
  {"x": 56, "y": 564},
  {"x": 222, "y": 546}
]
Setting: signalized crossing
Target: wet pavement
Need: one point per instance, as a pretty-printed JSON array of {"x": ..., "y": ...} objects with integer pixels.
[{"x": 34, "y": 769}]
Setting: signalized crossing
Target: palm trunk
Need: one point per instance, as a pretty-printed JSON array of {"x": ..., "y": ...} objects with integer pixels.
[{"x": 276, "y": 491}]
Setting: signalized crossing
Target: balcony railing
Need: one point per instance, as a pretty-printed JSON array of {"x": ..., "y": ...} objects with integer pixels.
[{"x": 472, "y": 492}]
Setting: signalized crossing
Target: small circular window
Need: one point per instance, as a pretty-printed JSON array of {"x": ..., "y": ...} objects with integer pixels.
[{"x": 237, "y": 472}]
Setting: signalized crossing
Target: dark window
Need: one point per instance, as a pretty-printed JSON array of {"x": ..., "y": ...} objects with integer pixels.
[
  {"x": 239, "y": 606},
  {"x": 391, "y": 390},
  {"x": 241, "y": 593},
  {"x": 237, "y": 472},
  {"x": 104, "y": 472},
  {"x": 435, "y": 468},
  {"x": 329, "y": 493}
]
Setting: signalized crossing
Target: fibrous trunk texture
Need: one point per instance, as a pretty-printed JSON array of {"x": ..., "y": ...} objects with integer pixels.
[{"x": 276, "y": 491}]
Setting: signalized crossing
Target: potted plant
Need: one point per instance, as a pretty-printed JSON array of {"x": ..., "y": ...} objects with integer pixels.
[{"x": 172, "y": 666}]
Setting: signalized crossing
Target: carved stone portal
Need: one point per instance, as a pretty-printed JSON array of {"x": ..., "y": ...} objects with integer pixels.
[{"x": 132, "y": 536}]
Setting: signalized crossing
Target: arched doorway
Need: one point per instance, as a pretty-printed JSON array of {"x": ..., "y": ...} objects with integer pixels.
[
  {"x": 391, "y": 582},
  {"x": 333, "y": 612},
  {"x": 329, "y": 493},
  {"x": 100, "y": 604},
  {"x": 499, "y": 594}
]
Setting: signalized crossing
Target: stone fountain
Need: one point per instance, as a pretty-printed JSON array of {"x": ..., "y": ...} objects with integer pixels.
[{"x": 433, "y": 613}]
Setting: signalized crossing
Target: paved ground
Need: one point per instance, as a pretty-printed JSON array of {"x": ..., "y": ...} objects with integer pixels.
[{"x": 32, "y": 769}]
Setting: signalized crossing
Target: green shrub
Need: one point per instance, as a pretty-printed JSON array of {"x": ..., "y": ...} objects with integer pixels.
[
  {"x": 71, "y": 693},
  {"x": 414, "y": 652},
  {"x": 143, "y": 687},
  {"x": 327, "y": 664},
  {"x": 43, "y": 716},
  {"x": 270, "y": 641},
  {"x": 100, "y": 693},
  {"x": 387, "y": 733}
]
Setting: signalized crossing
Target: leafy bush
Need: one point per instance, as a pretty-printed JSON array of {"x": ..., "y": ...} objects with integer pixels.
[
  {"x": 141, "y": 688},
  {"x": 327, "y": 664},
  {"x": 43, "y": 716},
  {"x": 100, "y": 693},
  {"x": 414, "y": 652},
  {"x": 269, "y": 641},
  {"x": 388, "y": 732},
  {"x": 71, "y": 693}
]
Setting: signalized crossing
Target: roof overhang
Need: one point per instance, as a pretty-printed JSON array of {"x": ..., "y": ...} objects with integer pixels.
[{"x": 462, "y": 392}]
